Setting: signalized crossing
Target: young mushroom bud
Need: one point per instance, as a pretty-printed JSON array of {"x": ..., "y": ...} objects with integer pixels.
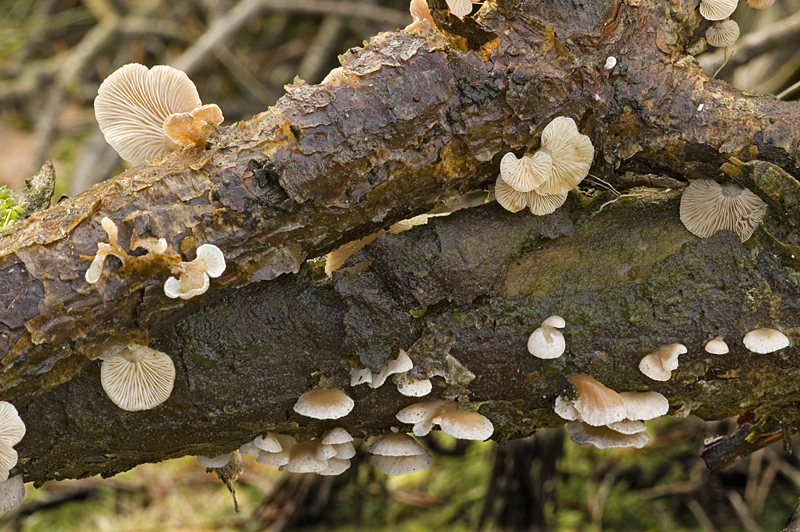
[
  {"x": 546, "y": 342},
  {"x": 193, "y": 129},
  {"x": 717, "y": 346},
  {"x": 210, "y": 262}
]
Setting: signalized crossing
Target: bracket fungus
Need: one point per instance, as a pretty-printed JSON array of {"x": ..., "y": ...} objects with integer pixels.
[
  {"x": 641, "y": 406},
  {"x": 341, "y": 441},
  {"x": 399, "y": 454},
  {"x": 193, "y": 281},
  {"x": 137, "y": 377},
  {"x": 411, "y": 387},
  {"x": 764, "y": 341},
  {"x": 660, "y": 364},
  {"x": 708, "y": 207},
  {"x": 605, "y": 437},
  {"x": 324, "y": 403},
  {"x": 134, "y": 102},
  {"x": 303, "y": 459}
]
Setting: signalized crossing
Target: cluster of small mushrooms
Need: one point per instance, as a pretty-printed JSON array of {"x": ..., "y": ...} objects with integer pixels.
[
  {"x": 144, "y": 114},
  {"x": 724, "y": 32}
]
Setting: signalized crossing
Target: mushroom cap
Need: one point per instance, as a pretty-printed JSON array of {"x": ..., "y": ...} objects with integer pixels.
[
  {"x": 12, "y": 429},
  {"x": 138, "y": 378},
  {"x": 12, "y": 491},
  {"x": 209, "y": 113},
  {"x": 527, "y": 173},
  {"x": 541, "y": 204},
  {"x": 268, "y": 442},
  {"x": 249, "y": 448},
  {"x": 717, "y": 346},
  {"x": 462, "y": 424},
  {"x": 399, "y": 444},
  {"x": 459, "y": 8},
  {"x": 402, "y": 465},
  {"x": 628, "y": 426},
  {"x": 722, "y": 33},
  {"x": 274, "y": 459},
  {"x": 400, "y": 364},
  {"x": 335, "y": 436},
  {"x": 185, "y": 288},
  {"x": 508, "y": 198},
  {"x": 213, "y": 258},
  {"x": 345, "y": 450},
  {"x": 764, "y": 341},
  {"x": 335, "y": 466},
  {"x": 421, "y": 415},
  {"x": 566, "y": 409},
  {"x": 644, "y": 405},
  {"x": 596, "y": 403},
  {"x": 324, "y": 403},
  {"x": 133, "y": 103},
  {"x": 572, "y": 155},
  {"x": 651, "y": 367},
  {"x": 554, "y": 321},
  {"x": 303, "y": 459},
  {"x": 604, "y": 437},
  {"x": 717, "y": 9},
  {"x": 215, "y": 461},
  {"x": 760, "y": 4},
  {"x": 546, "y": 342},
  {"x": 325, "y": 451},
  {"x": 708, "y": 207},
  {"x": 668, "y": 355},
  {"x": 360, "y": 376},
  {"x": 411, "y": 387}
]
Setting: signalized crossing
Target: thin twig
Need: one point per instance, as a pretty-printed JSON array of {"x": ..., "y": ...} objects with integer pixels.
[
  {"x": 742, "y": 512},
  {"x": 700, "y": 515}
]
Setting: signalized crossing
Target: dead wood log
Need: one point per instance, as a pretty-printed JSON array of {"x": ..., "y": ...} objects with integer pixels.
[{"x": 421, "y": 118}]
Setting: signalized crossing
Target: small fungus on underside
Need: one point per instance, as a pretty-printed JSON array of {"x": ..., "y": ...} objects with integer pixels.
[
  {"x": 708, "y": 207},
  {"x": 137, "y": 377},
  {"x": 194, "y": 275}
]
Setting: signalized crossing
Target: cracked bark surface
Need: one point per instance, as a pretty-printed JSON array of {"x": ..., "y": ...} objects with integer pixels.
[{"x": 420, "y": 119}]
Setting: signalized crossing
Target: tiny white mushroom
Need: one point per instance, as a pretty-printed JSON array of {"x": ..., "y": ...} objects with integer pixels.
[
  {"x": 325, "y": 451},
  {"x": 764, "y": 341},
  {"x": 336, "y": 435},
  {"x": 193, "y": 281},
  {"x": 572, "y": 154},
  {"x": 546, "y": 342},
  {"x": 628, "y": 426},
  {"x": 104, "y": 250},
  {"x": 268, "y": 442},
  {"x": 303, "y": 459},
  {"x": 421, "y": 415},
  {"x": 462, "y": 424},
  {"x": 360, "y": 376},
  {"x": 278, "y": 458},
  {"x": 412, "y": 387},
  {"x": 396, "y": 444},
  {"x": 717, "y": 346},
  {"x": 399, "y": 454},
  {"x": 644, "y": 405},
  {"x": 324, "y": 403},
  {"x": 566, "y": 409},
  {"x": 12, "y": 491},
  {"x": 401, "y": 364},
  {"x": 660, "y": 364},
  {"x": 249, "y": 448},
  {"x": 611, "y": 62},
  {"x": 335, "y": 466},
  {"x": 597, "y": 404},
  {"x": 528, "y": 172},
  {"x": 215, "y": 461},
  {"x": 459, "y": 8},
  {"x": 604, "y": 437},
  {"x": 12, "y": 429},
  {"x": 402, "y": 465},
  {"x": 137, "y": 377}
]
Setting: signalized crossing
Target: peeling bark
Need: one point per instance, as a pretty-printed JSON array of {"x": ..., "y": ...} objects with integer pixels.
[{"x": 421, "y": 118}]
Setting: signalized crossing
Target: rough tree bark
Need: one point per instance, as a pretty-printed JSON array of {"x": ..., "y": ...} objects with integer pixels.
[{"x": 421, "y": 118}]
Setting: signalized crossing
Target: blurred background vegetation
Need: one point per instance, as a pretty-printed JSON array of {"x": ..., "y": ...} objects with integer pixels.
[{"x": 53, "y": 56}]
